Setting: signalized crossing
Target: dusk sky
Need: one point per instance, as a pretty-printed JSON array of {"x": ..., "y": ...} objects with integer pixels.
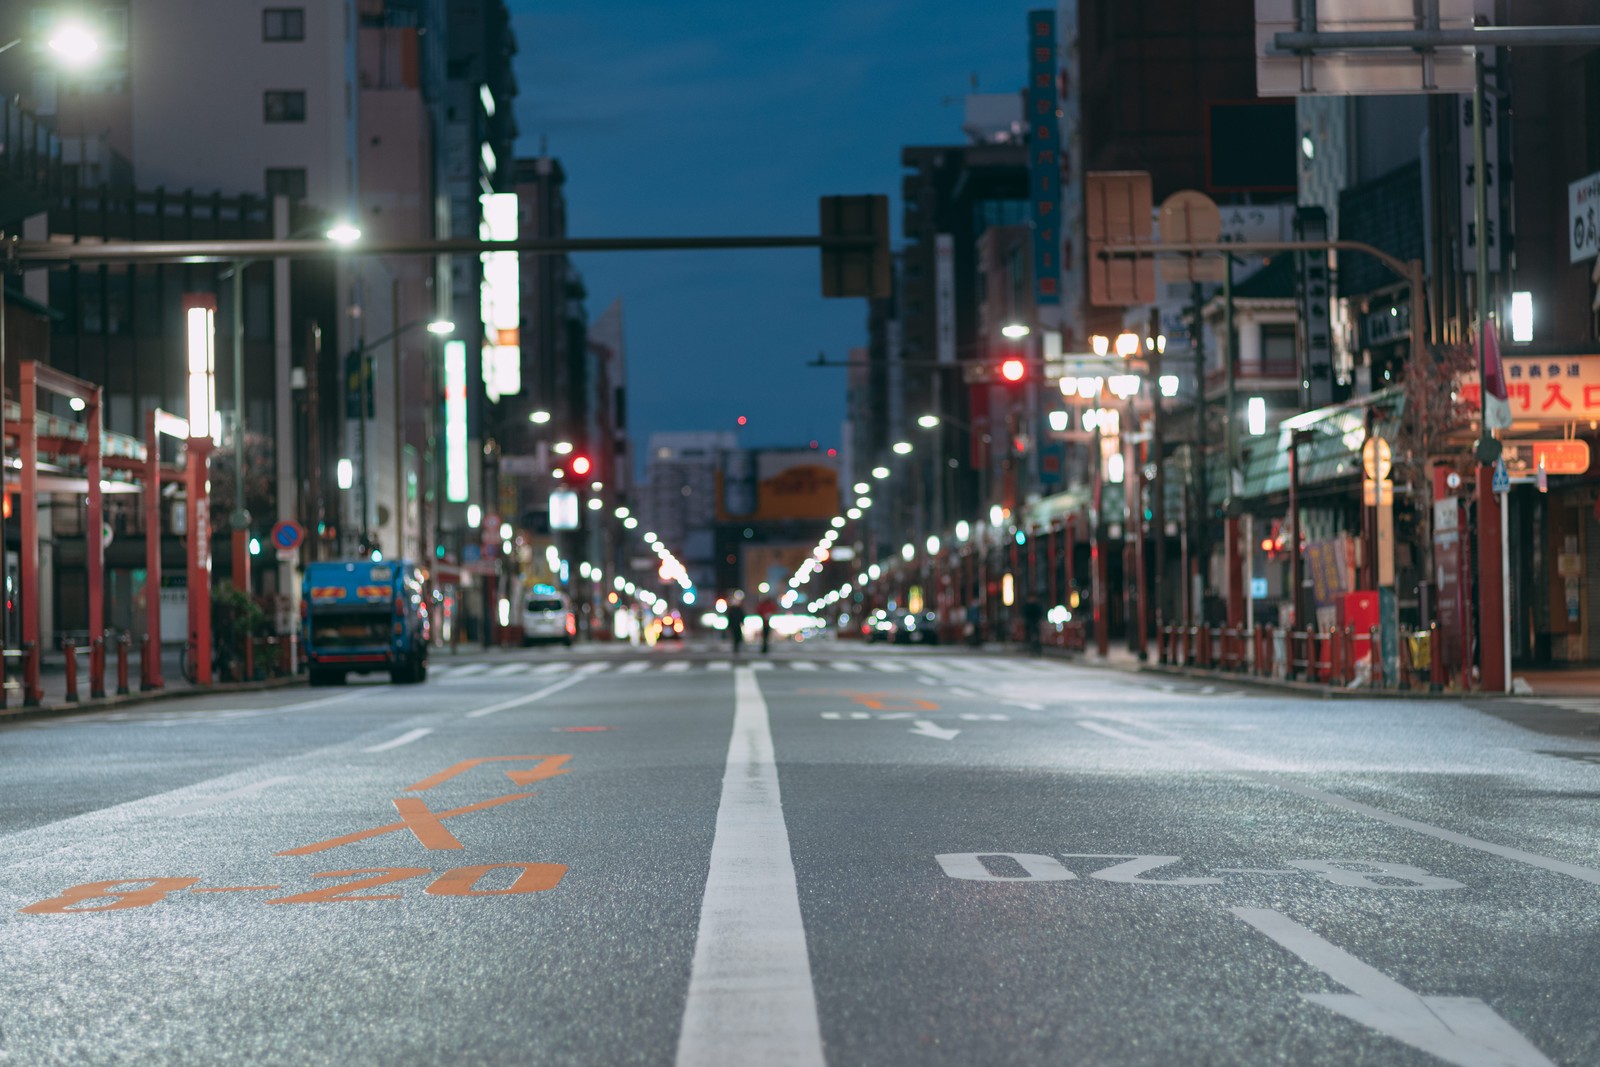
[{"x": 713, "y": 117}]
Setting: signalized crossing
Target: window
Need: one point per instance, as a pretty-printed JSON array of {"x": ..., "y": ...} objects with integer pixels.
[
  {"x": 283, "y": 24},
  {"x": 287, "y": 181},
  {"x": 285, "y": 105}
]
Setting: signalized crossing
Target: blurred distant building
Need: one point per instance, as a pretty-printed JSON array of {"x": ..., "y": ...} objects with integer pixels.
[{"x": 679, "y": 497}]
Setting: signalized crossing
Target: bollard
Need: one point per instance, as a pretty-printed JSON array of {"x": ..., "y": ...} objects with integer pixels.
[
  {"x": 248, "y": 671},
  {"x": 32, "y": 694},
  {"x": 70, "y": 650},
  {"x": 1375, "y": 659},
  {"x": 122, "y": 665},
  {"x": 1435, "y": 659},
  {"x": 146, "y": 683},
  {"x": 97, "y": 667},
  {"x": 286, "y": 655}
]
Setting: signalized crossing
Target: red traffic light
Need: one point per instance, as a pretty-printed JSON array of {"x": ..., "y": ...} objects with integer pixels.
[
  {"x": 580, "y": 466},
  {"x": 1013, "y": 369}
]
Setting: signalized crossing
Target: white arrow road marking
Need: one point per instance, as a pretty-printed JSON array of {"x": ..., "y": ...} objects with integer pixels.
[
  {"x": 404, "y": 739},
  {"x": 206, "y": 802},
  {"x": 1460, "y": 1030},
  {"x": 924, "y": 728}
]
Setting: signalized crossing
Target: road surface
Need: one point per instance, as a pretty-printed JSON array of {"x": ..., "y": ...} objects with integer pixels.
[{"x": 835, "y": 855}]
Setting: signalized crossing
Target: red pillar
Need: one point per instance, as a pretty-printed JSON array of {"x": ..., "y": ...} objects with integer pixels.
[
  {"x": 152, "y": 549},
  {"x": 241, "y": 560},
  {"x": 1235, "y": 553},
  {"x": 1491, "y": 592},
  {"x": 197, "y": 471}
]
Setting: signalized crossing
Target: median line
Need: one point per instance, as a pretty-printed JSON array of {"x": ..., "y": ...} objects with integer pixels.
[{"x": 751, "y": 997}]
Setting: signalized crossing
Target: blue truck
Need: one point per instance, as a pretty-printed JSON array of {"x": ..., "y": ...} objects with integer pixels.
[{"x": 360, "y": 616}]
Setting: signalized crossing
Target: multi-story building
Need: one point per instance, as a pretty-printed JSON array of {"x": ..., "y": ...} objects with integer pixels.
[{"x": 679, "y": 498}]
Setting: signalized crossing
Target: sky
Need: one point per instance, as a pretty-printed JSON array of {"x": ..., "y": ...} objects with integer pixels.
[{"x": 715, "y": 117}]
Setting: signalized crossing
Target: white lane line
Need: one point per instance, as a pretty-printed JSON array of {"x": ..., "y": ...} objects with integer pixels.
[
  {"x": 845, "y": 665},
  {"x": 1030, "y": 705},
  {"x": 1102, "y": 728},
  {"x": 508, "y": 669},
  {"x": 1460, "y": 1030},
  {"x": 404, "y": 739},
  {"x": 675, "y": 668},
  {"x": 719, "y": 665},
  {"x": 207, "y": 802},
  {"x": 466, "y": 669},
  {"x": 1532, "y": 859},
  {"x": 751, "y": 998},
  {"x": 552, "y": 668},
  {"x": 633, "y": 668},
  {"x": 802, "y": 665},
  {"x": 571, "y": 679},
  {"x": 885, "y": 665}
]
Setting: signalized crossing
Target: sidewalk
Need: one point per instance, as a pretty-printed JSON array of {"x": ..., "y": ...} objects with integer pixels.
[{"x": 53, "y": 681}]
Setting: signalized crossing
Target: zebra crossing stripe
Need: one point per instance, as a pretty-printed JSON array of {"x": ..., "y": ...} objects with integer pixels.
[
  {"x": 719, "y": 665},
  {"x": 802, "y": 665},
  {"x": 465, "y": 669},
  {"x": 633, "y": 668},
  {"x": 508, "y": 669},
  {"x": 885, "y": 665},
  {"x": 673, "y": 668},
  {"x": 845, "y": 665},
  {"x": 552, "y": 668}
]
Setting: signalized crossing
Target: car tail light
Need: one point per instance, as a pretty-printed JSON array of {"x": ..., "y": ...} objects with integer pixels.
[{"x": 572, "y": 624}]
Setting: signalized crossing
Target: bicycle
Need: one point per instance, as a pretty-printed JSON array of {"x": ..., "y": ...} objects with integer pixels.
[{"x": 222, "y": 661}]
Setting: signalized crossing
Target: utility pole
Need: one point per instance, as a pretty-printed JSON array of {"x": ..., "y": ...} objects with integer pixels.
[
  {"x": 1158, "y": 483},
  {"x": 1200, "y": 552},
  {"x": 1232, "y": 505}
]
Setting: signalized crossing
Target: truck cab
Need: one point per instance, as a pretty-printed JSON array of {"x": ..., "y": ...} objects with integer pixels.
[{"x": 360, "y": 616}]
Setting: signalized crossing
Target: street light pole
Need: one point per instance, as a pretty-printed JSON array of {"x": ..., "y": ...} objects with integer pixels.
[{"x": 239, "y": 521}]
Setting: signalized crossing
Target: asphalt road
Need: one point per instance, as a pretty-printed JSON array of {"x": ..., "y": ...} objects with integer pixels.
[{"x": 837, "y": 855}]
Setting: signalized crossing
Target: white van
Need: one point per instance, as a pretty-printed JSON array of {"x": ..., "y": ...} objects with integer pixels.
[{"x": 547, "y": 616}]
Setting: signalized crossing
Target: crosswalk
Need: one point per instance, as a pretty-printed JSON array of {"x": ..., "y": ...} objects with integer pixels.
[
  {"x": 1585, "y": 705},
  {"x": 943, "y": 667}
]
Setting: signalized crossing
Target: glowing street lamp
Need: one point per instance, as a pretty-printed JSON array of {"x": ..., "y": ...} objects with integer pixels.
[
  {"x": 902, "y": 448},
  {"x": 928, "y": 422},
  {"x": 200, "y": 331}
]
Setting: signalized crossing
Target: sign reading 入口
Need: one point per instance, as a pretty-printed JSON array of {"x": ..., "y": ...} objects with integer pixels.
[{"x": 1548, "y": 388}]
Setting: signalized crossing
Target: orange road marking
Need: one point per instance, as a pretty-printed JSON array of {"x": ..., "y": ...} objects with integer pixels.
[
  {"x": 427, "y": 824},
  {"x": 876, "y": 701},
  {"x": 549, "y": 767},
  {"x": 233, "y": 888},
  {"x": 424, "y": 823}
]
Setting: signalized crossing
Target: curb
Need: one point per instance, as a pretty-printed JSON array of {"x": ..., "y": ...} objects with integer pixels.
[
  {"x": 55, "y": 711},
  {"x": 1309, "y": 689}
]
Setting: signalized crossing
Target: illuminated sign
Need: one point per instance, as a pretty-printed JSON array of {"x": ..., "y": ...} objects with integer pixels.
[
  {"x": 1044, "y": 167},
  {"x": 455, "y": 421},
  {"x": 563, "y": 510},
  {"x": 498, "y": 299}
]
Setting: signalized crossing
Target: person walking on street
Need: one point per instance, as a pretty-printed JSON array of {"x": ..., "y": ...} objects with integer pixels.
[
  {"x": 736, "y": 621},
  {"x": 1032, "y": 622},
  {"x": 765, "y": 610}
]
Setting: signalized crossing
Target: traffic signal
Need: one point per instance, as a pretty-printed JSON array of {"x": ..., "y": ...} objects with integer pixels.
[
  {"x": 579, "y": 466},
  {"x": 1013, "y": 369},
  {"x": 860, "y": 267}
]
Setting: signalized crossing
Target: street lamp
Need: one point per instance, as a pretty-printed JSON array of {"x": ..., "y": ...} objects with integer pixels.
[
  {"x": 1015, "y": 330},
  {"x": 902, "y": 448},
  {"x": 928, "y": 422},
  {"x": 880, "y": 473}
]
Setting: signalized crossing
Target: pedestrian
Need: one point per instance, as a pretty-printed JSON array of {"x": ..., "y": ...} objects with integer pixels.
[
  {"x": 1033, "y": 624},
  {"x": 765, "y": 610},
  {"x": 736, "y": 622}
]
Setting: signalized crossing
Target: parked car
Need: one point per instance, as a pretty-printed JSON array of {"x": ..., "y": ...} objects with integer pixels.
[
  {"x": 920, "y": 629},
  {"x": 547, "y": 617}
]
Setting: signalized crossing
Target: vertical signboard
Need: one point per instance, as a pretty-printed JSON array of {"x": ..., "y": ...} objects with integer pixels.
[
  {"x": 944, "y": 296},
  {"x": 1044, "y": 165},
  {"x": 1583, "y": 203},
  {"x": 455, "y": 422},
  {"x": 1467, "y": 249},
  {"x": 500, "y": 299},
  {"x": 1313, "y": 292},
  {"x": 1073, "y": 280}
]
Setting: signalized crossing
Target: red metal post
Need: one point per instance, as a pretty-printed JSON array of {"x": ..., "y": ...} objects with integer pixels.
[
  {"x": 1491, "y": 592},
  {"x": 97, "y": 667},
  {"x": 70, "y": 651},
  {"x": 150, "y": 666},
  {"x": 196, "y": 470}
]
